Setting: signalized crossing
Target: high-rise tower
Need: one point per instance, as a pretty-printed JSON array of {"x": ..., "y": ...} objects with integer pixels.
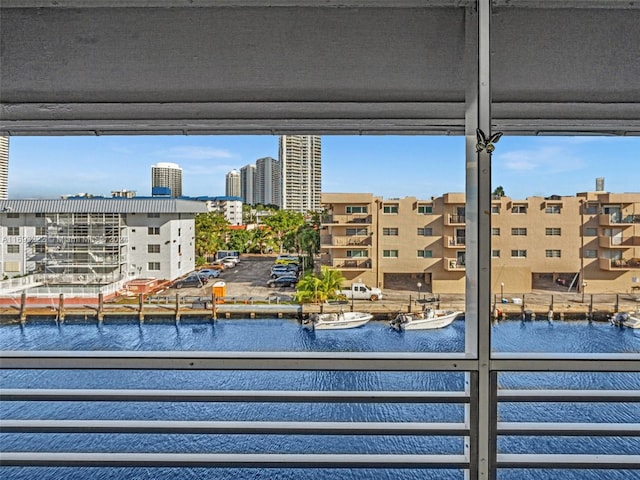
[
  {"x": 268, "y": 181},
  {"x": 247, "y": 184},
  {"x": 166, "y": 180},
  {"x": 301, "y": 167},
  {"x": 233, "y": 188},
  {"x": 4, "y": 168}
]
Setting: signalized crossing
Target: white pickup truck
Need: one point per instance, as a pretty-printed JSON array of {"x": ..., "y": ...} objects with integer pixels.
[{"x": 359, "y": 291}]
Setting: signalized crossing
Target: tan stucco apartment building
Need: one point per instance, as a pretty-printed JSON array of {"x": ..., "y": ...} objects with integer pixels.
[{"x": 589, "y": 241}]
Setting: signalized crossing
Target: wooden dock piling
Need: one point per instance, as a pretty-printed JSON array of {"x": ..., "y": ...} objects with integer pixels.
[
  {"x": 141, "y": 308},
  {"x": 60, "y": 314}
]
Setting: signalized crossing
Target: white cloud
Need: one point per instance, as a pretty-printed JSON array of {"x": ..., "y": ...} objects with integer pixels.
[
  {"x": 196, "y": 153},
  {"x": 541, "y": 160}
]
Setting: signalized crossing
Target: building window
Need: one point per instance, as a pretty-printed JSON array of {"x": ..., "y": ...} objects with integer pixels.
[
  {"x": 425, "y": 231},
  {"x": 41, "y": 230},
  {"x": 390, "y": 253},
  {"x": 495, "y": 209},
  {"x": 153, "y": 215},
  {"x": 591, "y": 254},
  {"x": 153, "y": 248},
  {"x": 552, "y": 253},
  {"x": 590, "y": 232},
  {"x": 425, "y": 253},
  {"x": 392, "y": 209},
  {"x": 591, "y": 209},
  {"x": 357, "y": 254},
  {"x": 153, "y": 231},
  {"x": 153, "y": 266},
  {"x": 13, "y": 215},
  {"x": 425, "y": 209},
  {"x": 518, "y": 253},
  {"x": 13, "y": 248},
  {"x": 357, "y": 232},
  {"x": 39, "y": 248},
  {"x": 390, "y": 231},
  {"x": 495, "y": 231},
  {"x": 495, "y": 253},
  {"x": 39, "y": 215},
  {"x": 356, "y": 209},
  {"x": 553, "y": 231},
  {"x": 519, "y": 209},
  {"x": 552, "y": 209},
  {"x": 11, "y": 266},
  {"x": 520, "y": 231},
  {"x": 13, "y": 231}
]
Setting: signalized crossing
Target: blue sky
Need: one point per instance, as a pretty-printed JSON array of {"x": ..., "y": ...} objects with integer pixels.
[{"x": 388, "y": 166}]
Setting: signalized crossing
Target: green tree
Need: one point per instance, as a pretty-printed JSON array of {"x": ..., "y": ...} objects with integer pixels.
[
  {"x": 260, "y": 241},
  {"x": 211, "y": 230},
  {"x": 319, "y": 288},
  {"x": 239, "y": 240},
  {"x": 499, "y": 191},
  {"x": 284, "y": 224},
  {"x": 308, "y": 242}
]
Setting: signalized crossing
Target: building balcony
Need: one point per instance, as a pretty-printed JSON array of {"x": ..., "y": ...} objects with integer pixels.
[
  {"x": 331, "y": 241},
  {"x": 454, "y": 219},
  {"x": 454, "y": 242},
  {"x": 352, "y": 263},
  {"x": 454, "y": 265},
  {"x": 607, "y": 219},
  {"x": 619, "y": 242},
  {"x": 619, "y": 264},
  {"x": 359, "y": 219}
]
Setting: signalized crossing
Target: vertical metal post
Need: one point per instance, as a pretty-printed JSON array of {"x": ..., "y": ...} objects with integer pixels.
[{"x": 478, "y": 228}]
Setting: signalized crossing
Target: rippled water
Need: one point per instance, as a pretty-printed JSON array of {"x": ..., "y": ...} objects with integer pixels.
[{"x": 287, "y": 335}]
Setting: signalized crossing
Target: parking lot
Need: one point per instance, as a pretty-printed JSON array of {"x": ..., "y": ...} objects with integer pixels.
[{"x": 247, "y": 279}]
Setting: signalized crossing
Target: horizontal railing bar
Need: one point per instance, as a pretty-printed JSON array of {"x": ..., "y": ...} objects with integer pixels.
[
  {"x": 574, "y": 362},
  {"x": 356, "y": 361},
  {"x": 569, "y": 429},
  {"x": 232, "y": 460},
  {"x": 272, "y": 396},
  {"x": 590, "y": 461},
  {"x": 310, "y": 361},
  {"x": 573, "y": 396},
  {"x": 232, "y": 427}
]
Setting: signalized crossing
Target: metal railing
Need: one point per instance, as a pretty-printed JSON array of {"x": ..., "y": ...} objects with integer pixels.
[{"x": 334, "y": 361}]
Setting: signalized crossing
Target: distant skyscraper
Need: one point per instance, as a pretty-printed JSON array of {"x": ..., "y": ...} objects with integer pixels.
[
  {"x": 247, "y": 183},
  {"x": 4, "y": 168},
  {"x": 233, "y": 184},
  {"x": 301, "y": 170},
  {"x": 268, "y": 181},
  {"x": 166, "y": 180}
]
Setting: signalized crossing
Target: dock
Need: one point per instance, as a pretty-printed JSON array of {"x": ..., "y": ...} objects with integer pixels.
[{"x": 211, "y": 308}]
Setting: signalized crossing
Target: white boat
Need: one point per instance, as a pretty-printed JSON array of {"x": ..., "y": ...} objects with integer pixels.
[
  {"x": 335, "y": 321},
  {"x": 428, "y": 319},
  {"x": 624, "y": 319}
]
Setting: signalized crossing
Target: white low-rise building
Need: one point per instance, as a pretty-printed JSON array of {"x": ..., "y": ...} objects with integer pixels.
[{"x": 98, "y": 240}]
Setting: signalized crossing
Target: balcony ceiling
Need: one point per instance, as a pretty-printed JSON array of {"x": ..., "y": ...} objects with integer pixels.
[{"x": 351, "y": 66}]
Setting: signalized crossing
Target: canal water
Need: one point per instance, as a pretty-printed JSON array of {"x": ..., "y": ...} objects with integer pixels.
[{"x": 288, "y": 335}]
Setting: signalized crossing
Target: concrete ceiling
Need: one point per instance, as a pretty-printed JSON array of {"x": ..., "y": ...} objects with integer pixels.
[{"x": 312, "y": 66}]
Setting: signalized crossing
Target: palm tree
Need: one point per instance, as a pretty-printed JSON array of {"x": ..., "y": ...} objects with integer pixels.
[
  {"x": 308, "y": 242},
  {"x": 312, "y": 288}
]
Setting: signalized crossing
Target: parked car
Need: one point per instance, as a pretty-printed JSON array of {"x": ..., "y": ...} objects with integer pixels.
[
  {"x": 280, "y": 270},
  {"x": 228, "y": 262},
  {"x": 190, "y": 281},
  {"x": 288, "y": 259},
  {"x": 230, "y": 258},
  {"x": 215, "y": 266},
  {"x": 208, "y": 273},
  {"x": 284, "y": 281}
]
